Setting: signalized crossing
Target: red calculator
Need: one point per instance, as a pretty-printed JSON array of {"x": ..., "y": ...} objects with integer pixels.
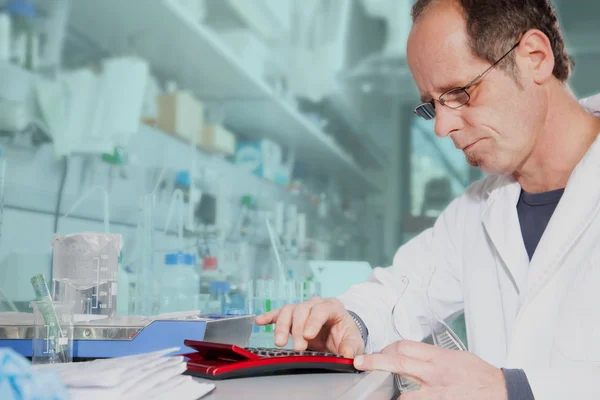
[{"x": 218, "y": 361}]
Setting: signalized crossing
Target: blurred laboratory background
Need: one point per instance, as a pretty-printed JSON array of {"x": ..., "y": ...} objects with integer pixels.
[{"x": 233, "y": 144}]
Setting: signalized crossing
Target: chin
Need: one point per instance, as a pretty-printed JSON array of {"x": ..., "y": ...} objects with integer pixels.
[{"x": 491, "y": 164}]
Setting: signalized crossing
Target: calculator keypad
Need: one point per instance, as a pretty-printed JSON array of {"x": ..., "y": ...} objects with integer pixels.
[{"x": 275, "y": 352}]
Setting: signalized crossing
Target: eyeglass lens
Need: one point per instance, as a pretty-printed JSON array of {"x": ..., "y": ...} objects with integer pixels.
[
  {"x": 426, "y": 111},
  {"x": 455, "y": 98}
]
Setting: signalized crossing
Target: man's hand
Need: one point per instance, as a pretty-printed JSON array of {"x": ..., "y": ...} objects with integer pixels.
[
  {"x": 442, "y": 374},
  {"x": 319, "y": 324}
]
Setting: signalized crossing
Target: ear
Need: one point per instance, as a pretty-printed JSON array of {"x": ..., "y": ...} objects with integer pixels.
[{"x": 535, "y": 56}]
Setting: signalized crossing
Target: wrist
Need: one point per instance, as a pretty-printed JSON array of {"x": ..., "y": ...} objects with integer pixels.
[
  {"x": 360, "y": 325},
  {"x": 501, "y": 385}
]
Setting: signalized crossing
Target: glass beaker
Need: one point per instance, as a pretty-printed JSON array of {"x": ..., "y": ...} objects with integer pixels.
[
  {"x": 52, "y": 341},
  {"x": 85, "y": 269}
]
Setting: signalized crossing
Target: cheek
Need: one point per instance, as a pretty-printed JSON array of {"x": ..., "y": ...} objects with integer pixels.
[
  {"x": 502, "y": 126},
  {"x": 500, "y": 109},
  {"x": 484, "y": 123}
]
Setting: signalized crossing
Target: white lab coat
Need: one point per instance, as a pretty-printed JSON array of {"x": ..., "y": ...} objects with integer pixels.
[{"x": 542, "y": 316}]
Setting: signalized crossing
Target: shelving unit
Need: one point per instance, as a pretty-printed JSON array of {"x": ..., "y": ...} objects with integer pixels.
[
  {"x": 194, "y": 56},
  {"x": 32, "y": 184}
]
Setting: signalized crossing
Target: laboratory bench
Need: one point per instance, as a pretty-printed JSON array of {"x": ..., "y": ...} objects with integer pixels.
[{"x": 376, "y": 385}]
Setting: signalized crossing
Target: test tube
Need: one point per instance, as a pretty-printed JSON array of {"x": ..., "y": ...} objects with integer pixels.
[
  {"x": 310, "y": 290},
  {"x": 291, "y": 292},
  {"x": 292, "y": 224},
  {"x": 299, "y": 292},
  {"x": 269, "y": 306},
  {"x": 279, "y": 218},
  {"x": 2, "y": 185},
  {"x": 250, "y": 298},
  {"x": 259, "y": 302},
  {"x": 301, "y": 239},
  {"x": 280, "y": 296}
]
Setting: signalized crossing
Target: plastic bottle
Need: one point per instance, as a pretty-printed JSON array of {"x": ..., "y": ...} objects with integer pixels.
[
  {"x": 183, "y": 182},
  {"x": 220, "y": 300},
  {"x": 235, "y": 302},
  {"x": 181, "y": 284}
]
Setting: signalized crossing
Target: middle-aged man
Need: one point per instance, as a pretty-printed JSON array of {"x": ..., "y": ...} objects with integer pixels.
[{"x": 519, "y": 251}]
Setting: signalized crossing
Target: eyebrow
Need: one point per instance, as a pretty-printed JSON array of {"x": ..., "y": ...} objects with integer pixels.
[{"x": 425, "y": 98}]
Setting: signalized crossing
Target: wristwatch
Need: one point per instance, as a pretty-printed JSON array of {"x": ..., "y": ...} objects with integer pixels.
[{"x": 361, "y": 326}]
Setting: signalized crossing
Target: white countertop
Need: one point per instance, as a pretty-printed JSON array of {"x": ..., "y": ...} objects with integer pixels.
[{"x": 374, "y": 385}]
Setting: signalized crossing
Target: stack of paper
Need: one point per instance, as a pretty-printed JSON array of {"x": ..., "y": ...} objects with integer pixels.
[{"x": 144, "y": 376}]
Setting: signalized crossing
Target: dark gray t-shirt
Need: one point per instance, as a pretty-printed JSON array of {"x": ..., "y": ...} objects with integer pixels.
[{"x": 535, "y": 210}]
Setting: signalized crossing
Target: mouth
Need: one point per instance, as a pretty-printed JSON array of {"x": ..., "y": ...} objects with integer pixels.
[{"x": 467, "y": 148}]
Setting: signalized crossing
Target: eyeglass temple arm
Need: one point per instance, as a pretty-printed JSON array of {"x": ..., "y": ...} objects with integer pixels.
[{"x": 492, "y": 66}]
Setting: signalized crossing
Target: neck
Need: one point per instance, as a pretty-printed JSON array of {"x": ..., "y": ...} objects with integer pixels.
[{"x": 567, "y": 134}]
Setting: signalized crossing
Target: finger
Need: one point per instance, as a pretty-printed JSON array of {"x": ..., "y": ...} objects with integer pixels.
[
  {"x": 267, "y": 318},
  {"x": 416, "y": 350},
  {"x": 301, "y": 313},
  {"x": 417, "y": 370},
  {"x": 351, "y": 347},
  {"x": 319, "y": 315},
  {"x": 284, "y": 325}
]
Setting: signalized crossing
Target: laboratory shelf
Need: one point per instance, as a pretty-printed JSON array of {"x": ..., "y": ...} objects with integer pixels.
[
  {"x": 33, "y": 181},
  {"x": 191, "y": 54}
]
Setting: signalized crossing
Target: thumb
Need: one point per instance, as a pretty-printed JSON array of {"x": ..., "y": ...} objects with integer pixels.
[{"x": 416, "y": 370}]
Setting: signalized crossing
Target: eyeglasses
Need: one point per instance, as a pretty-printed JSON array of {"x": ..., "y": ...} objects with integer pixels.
[{"x": 457, "y": 97}]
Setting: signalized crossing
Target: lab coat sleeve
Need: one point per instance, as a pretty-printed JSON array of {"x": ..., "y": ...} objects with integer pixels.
[
  {"x": 374, "y": 300},
  {"x": 565, "y": 383},
  {"x": 592, "y": 104}
]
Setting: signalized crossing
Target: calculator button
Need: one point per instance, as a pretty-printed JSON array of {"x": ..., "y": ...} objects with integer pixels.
[{"x": 278, "y": 352}]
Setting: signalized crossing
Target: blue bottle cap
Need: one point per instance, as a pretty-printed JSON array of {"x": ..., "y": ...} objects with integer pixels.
[
  {"x": 22, "y": 8},
  {"x": 235, "y": 311},
  {"x": 180, "y": 258},
  {"x": 183, "y": 178},
  {"x": 218, "y": 287}
]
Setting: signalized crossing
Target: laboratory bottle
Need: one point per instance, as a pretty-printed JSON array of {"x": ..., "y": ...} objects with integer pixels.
[
  {"x": 183, "y": 182},
  {"x": 180, "y": 283},
  {"x": 219, "y": 292},
  {"x": 5, "y": 37},
  {"x": 24, "y": 36}
]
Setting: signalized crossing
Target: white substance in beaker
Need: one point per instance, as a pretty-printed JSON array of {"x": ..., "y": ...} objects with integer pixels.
[{"x": 85, "y": 269}]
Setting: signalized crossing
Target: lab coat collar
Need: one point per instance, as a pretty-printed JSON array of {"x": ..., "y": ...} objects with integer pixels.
[
  {"x": 575, "y": 211},
  {"x": 501, "y": 223}
]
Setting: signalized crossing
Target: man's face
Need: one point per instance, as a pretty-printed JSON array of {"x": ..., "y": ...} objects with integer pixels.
[{"x": 498, "y": 128}]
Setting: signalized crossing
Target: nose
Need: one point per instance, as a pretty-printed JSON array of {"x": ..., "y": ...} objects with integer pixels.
[{"x": 447, "y": 121}]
